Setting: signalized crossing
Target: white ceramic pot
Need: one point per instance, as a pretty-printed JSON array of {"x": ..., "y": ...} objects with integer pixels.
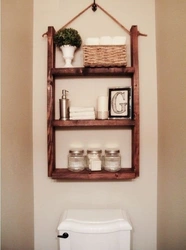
[{"x": 68, "y": 54}]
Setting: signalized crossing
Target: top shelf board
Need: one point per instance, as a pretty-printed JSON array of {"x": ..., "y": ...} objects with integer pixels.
[{"x": 85, "y": 71}]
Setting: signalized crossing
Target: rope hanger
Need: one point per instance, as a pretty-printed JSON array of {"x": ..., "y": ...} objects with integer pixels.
[{"x": 94, "y": 8}]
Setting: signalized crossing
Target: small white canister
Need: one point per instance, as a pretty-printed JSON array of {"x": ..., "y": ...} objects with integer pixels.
[
  {"x": 102, "y": 107},
  {"x": 94, "y": 159}
]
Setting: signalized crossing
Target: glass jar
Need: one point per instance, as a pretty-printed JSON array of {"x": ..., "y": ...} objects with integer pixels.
[
  {"x": 112, "y": 160},
  {"x": 94, "y": 159},
  {"x": 76, "y": 160}
]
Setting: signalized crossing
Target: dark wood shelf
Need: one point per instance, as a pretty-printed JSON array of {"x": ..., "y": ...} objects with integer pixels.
[
  {"x": 86, "y": 72},
  {"x": 94, "y": 123},
  {"x": 53, "y": 125},
  {"x": 123, "y": 174}
]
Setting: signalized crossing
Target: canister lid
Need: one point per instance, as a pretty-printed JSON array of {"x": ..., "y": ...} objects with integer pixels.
[
  {"x": 94, "y": 221},
  {"x": 94, "y": 151},
  {"x": 112, "y": 151},
  {"x": 76, "y": 151}
]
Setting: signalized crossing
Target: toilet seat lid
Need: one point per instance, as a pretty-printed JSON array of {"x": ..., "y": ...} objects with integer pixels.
[{"x": 94, "y": 221}]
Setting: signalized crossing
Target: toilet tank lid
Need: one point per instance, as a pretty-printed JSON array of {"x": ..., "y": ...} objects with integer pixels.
[{"x": 94, "y": 221}]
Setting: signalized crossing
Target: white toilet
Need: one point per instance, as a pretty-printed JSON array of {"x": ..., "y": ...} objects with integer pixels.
[{"x": 94, "y": 229}]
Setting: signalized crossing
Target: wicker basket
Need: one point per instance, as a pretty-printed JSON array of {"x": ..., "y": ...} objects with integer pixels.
[{"x": 104, "y": 55}]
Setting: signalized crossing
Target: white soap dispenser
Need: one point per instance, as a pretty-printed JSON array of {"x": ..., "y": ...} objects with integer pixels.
[{"x": 64, "y": 106}]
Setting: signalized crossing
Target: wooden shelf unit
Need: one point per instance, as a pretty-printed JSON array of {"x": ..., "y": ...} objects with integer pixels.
[{"x": 53, "y": 125}]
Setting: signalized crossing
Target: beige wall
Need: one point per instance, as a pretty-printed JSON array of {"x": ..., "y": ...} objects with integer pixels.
[
  {"x": 138, "y": 197},
  {"x": 171, "y": 63},
  {"x": 16, "y": 100}
]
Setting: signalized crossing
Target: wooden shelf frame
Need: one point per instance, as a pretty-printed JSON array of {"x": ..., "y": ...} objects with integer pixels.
[{"x": 53, "y": 125}]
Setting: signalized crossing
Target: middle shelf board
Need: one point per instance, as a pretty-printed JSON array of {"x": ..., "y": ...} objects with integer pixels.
[{"x": 94, "y": 123}]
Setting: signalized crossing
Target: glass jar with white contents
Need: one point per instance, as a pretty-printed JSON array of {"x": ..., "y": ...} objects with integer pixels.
[
  {"x": 112, "y": 160},
  {"x": 94, "y": 159},
  {"x": 76, "y": 160}
]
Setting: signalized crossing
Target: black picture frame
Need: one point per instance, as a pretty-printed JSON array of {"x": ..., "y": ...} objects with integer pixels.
[{"x": 120, "y": 102}]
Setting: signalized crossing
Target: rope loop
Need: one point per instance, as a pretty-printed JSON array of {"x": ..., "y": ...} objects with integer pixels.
[{"x": 94, "y": 8}]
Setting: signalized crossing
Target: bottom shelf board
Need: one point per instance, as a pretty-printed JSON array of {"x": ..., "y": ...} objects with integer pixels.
[{"x": 65, "y": 174}]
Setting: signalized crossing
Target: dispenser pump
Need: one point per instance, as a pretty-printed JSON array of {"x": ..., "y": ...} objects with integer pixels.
[
  {"x": 64, "y": 105},
  {"x": 64, "y": 94}
]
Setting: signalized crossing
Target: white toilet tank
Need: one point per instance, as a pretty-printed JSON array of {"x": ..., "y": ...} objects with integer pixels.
[{"x": 94, "y": 229}]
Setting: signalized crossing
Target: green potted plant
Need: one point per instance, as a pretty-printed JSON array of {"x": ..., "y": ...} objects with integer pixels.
[{"x": 68, "y": 40}]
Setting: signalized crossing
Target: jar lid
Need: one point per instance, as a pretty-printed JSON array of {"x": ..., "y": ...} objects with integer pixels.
[
  {"x": 112, "y": 151},
  {"x": 76, "y": 151},
  {"x": 94, "y": 151}
]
